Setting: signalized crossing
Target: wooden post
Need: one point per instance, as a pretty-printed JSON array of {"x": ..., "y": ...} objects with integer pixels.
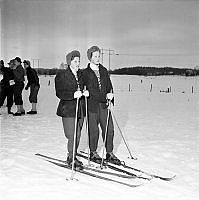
[{"x": 151, "y": 87}]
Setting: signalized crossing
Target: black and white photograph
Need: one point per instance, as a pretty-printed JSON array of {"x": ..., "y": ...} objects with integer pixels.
[{"x": 99, "y": 99}]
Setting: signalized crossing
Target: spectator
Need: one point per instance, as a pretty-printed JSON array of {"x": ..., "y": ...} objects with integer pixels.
[
  {"x": 33, "y": 84},
  {"x": 19, "y": 79},
  {"x": 6, "y": 85}
]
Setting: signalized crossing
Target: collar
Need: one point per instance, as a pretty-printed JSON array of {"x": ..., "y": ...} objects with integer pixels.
[
  {"x": 28, "y": 68},
  {"x": 94, "y": 67},
  {"x": 73, "y": 71}
]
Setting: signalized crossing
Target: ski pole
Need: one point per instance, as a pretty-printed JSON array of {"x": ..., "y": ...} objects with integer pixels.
[
  {"x": 87, "y": 130},
  {"x": 125, "y": 142},
  {"x": 106, "y": 132},
  {"x": 74, "y": 140}
]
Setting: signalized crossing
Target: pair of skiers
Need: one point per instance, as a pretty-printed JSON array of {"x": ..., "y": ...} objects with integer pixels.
[{"x": 72, "y": 86}]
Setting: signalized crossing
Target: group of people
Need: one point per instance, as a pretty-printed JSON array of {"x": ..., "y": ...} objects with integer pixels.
[
  {"x": 12, "y": 85},
  {"x": 86, "y": 91}
]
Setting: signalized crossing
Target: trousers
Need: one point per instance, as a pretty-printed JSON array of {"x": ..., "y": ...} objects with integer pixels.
[
  {"x": 69, "y": 129},
  {"x": 96, "y": 119}
]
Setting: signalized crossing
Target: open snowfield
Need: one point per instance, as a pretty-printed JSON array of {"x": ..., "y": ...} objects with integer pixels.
[{"x": 161, "y": 129}]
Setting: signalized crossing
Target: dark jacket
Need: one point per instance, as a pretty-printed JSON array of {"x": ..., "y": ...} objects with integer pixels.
[
  {"x": 19, "y": 74},
  {"x": 7, "y": 76},
  {"x": 32, "y": 77},
  {"x": 65, "y": 86},
  {"x": 97, "y": 95}
]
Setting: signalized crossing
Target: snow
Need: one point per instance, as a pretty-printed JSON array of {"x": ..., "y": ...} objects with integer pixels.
[{"x": 161, "y": 130}]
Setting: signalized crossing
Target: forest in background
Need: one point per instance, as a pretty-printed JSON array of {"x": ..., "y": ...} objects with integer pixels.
[{"x": 142, "y": 71}]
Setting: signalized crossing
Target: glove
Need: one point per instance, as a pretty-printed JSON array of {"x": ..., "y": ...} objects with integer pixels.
[
  {"x": 12, "y": 82},
  {"x": 86, "y": 93},
  {"x": 77, "y": 94},
  {"x": 109, "y": 96}
]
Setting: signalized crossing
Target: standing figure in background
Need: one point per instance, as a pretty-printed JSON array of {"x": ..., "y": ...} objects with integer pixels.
[
  {"x": 69, "y": 87},
  {"x": 19, "y": 79},
  {"x": 7, "y": 85},
  {"x": 98, "y": 83},
  {"x": 33, "y": 83}
]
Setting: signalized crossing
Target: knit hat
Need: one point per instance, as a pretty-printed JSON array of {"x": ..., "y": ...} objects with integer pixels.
[
  {"x": 70, "y": 56},
  {"x": 18, "y": 59},
  {"x": 91, "y": 50},
  {"x": 27, "y": 62}
]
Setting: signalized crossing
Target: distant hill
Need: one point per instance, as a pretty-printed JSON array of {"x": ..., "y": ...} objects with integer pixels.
[{"x": 155, "y": 71}]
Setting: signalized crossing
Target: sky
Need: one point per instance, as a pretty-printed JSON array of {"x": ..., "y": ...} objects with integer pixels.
[{"x": 137, "y": 32}]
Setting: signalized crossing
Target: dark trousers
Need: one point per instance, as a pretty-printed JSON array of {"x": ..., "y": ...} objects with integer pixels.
[
  {"x": 69, "y": 129},
  {"x": 34, "y": 89},
  {"x": 96, "y": 119},
  {"x": 6, "y": 91},
  {"x": 18, "y": 88}
]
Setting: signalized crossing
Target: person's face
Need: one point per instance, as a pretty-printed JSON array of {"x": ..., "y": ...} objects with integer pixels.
[
  {"x": 12, "y": 65},
  {"x": 75, "y": 63},
  {"x": 16, "y": 63},
  {"x": 25, "y": 65},
  {"x": 95, "y": 57}
]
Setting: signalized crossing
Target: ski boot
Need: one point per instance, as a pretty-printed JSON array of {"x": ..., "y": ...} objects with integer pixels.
[
  {"x": 111, "y": 158},
  {"x": 78, "y": 165},
  {"x": 95, "y": 157}
]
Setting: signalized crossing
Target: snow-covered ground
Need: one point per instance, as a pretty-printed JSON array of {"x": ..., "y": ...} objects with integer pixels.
[{"x": 161, "y": 129}]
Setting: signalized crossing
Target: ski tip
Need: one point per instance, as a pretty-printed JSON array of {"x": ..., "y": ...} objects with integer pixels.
[
  {"x": 165, "y": 178},
  {"x": 173, "y": 177}
]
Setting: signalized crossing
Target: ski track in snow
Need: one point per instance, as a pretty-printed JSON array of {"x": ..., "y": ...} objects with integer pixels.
[{"x": 161, "y": 130}]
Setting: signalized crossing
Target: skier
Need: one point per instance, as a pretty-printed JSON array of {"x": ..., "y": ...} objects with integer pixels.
[
  {"x": 98, "y": 83},
  {"x": 33, "y": 83},
  {"x": 69, "y": 87}
]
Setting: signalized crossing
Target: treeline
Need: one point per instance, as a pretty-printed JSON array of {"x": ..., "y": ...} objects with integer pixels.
[
  {"x": 42, "y": 71},
  {"x": 143, "y": 71},
  {"x": 154, "y": 71}
]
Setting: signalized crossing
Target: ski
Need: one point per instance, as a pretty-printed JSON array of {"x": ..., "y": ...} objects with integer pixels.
[
  {"x": 91, "y": 174},
  {"x": 111, "y": 165},
  {"x": 149, "y": 174},
  {"x": 118, "y": 169},
  {"x": 88, "y": 168}
]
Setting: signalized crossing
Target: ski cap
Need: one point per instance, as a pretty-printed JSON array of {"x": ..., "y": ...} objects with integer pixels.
[
  {"x": 70, "y": 56},
  {"x": 91, "y": 50}
]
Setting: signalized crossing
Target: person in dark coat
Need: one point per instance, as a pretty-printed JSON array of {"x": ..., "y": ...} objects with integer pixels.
[
  {"x": 19, "y": 79},
  {"x": 33, "y": 84},
  {"x": 69, "y": 87},
  {"x": 6, "y": 85},
  {"x": 98, "y": 83}
]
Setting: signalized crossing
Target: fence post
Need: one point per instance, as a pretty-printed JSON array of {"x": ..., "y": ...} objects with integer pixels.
[{"x": 151, "y": 87}]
